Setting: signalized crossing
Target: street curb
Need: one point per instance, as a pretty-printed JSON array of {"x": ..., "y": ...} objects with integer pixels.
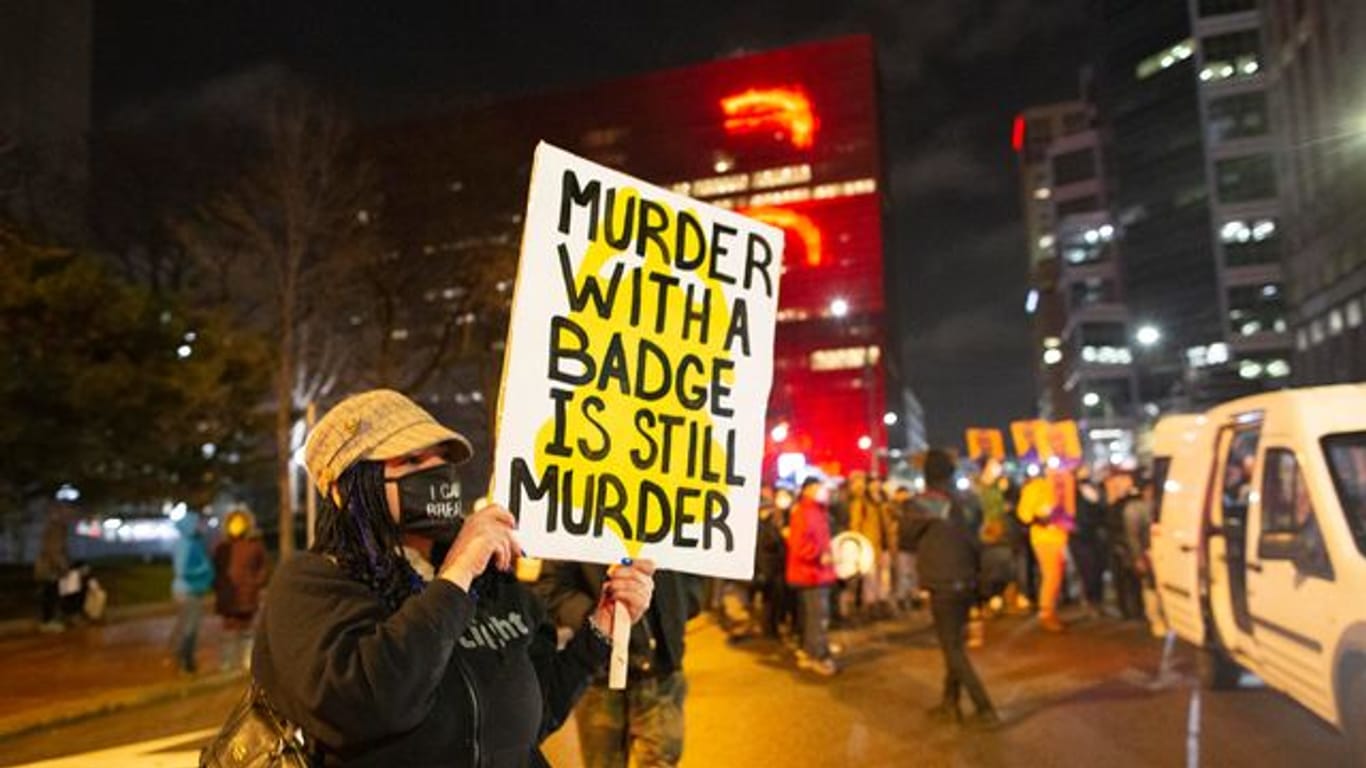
[
  {"x": 120, "y": 700},
  {"x": 115, "y": 614}
]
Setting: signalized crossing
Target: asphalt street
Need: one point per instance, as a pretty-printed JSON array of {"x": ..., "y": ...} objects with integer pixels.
[{"x": 1090, "y": 697}]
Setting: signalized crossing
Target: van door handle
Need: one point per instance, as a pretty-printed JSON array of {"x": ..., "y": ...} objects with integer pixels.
[
  {"x": 1257, "y": 567},
  {"x": 1187, "y": 547}
]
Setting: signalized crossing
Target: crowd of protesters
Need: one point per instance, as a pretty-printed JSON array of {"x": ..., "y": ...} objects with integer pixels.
[{"x": 1042, "y": 535}]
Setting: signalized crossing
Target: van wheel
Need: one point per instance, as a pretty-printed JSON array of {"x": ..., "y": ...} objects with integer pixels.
[
  {"x": 1353, "y": 714},
  {"x": 1218, "y": 672}
]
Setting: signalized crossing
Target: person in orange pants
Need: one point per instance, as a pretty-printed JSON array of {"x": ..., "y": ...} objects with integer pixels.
[{"x": 1044, "y": 507}]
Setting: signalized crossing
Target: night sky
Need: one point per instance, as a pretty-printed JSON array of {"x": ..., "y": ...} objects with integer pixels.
[{"x": 954, "y": 72}]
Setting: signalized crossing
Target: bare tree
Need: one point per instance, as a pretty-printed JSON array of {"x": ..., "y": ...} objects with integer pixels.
[{"x": 281, "y": 244}]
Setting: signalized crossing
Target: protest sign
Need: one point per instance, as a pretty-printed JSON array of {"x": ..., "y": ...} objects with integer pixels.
[
  {"x": 637, "y": 373},
  {"x": 1058, "y": 439},
  {"x": 1022, "y": 435},
  {"x": 985, "y": 443}
]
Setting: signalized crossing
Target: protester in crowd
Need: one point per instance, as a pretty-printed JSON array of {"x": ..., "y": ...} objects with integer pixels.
[
  {"x": 192, "y": 579},
  {"x": 1087, "y": 541},
  {"x": 643, "y": 724},
  {"x": 770, "y": 562},
  {"x": 811, "y": 571},
  {"x": 868, "y": 515},
  {"x": 50, "y": 566},
  {"x": 1019, "y": 593},
  {"x": 240, "y": 572},
  {"x": 376, "y": 665},
  {"x": 997, "y": 559},
  {"x": 788, "y": 621},
  {"x": 948, "y": 558},
  {"x": 907, "y": 582},
  {"x": 1138, "y": 513},
  {"x": 1045, "y": 506}
]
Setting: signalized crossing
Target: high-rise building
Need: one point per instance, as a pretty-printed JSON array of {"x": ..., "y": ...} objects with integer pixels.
[
  {"x": 789, "y": 137},
  {"x": 1316, "y": 57},
  {"x": 1244, "y": 192},
  {"x": 1081, "y": 319},
  {"x": 1034, "y": 131}
]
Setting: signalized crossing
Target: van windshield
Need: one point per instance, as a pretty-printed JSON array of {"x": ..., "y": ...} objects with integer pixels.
[{"x": 1347, "y": 462}]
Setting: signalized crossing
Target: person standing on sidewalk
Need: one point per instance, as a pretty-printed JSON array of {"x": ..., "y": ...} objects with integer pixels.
[
  {"x": 193, "y": 578},
  {"x": 240, "y": 572},
  {"x": 642, "y": 725},
  {"x": 379, "y": 666},
  {"x": 50, "y": 566},
  {"x": 811, "y": 571},
  {"x": 948, "y": 555}
]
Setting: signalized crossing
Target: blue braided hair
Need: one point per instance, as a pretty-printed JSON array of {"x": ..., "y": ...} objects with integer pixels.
[{"x": 363, "y": 538}]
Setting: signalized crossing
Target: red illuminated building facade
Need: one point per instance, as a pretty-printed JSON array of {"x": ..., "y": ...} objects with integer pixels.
[{"x": 789, "y": 137}]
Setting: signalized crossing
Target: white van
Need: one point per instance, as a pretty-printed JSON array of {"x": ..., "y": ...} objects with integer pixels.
[{"x": 1259, "y": 544}]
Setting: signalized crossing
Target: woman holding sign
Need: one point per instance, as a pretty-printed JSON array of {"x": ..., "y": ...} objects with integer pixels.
[{"x": 379, "y": 665}]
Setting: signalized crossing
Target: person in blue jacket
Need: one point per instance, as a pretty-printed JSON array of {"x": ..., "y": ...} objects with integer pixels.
[{"x": 193, "y": 578}]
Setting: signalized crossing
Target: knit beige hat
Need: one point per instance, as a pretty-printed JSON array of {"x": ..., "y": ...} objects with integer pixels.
[{"x": 376, "y": 425}]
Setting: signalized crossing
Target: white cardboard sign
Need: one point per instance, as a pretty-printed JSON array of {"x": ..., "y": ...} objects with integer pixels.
[{"x": 637, "y": 372}]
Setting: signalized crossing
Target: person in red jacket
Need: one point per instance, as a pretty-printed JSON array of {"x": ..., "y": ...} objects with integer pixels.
[{"x": 810, "y": 572}]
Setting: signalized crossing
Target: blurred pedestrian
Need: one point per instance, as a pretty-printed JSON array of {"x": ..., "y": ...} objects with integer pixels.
[
  {"x": 811, "y": 571},
  {"x": 869, "y": 515},
  {"x": 907, "y": 589},
  {"x": 378, "y": 666},
  {"x": 643, "y": 724},
  {"x": 997, "y": 559},
  {"x": 1087, "y": 540},
  {"x": 192, "y": 580},
  {"x": 240, "y": 573},
  {"x": 770, "y": 564},
  {"x": 1046, "y": 507},
  {"x": 948, "y": 556},
  {"x": 50, "y": 566}
]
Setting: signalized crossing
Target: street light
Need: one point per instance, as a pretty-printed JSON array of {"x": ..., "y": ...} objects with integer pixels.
[
  {"x": 889, "y": 418},
  {"x": 865, "y": 442},
  {"x": 1148, "y": 335},
  {"x": 839, "y": 307},
  {"x": 1090, "y": 400}
]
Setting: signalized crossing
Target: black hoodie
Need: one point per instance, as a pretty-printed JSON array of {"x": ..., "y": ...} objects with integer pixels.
[{"x": 446, "y": 680}]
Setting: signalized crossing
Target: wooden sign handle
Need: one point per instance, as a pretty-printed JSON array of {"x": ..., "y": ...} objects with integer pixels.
[{"x": 621, "y": 640}]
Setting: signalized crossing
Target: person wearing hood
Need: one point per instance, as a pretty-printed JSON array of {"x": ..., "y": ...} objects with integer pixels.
[
  {"x": 948, "y": 557},
  {"x": 380, "y": 667},
  {"x": 192, "y": 580},
  {"x": 240, "y": 572}
]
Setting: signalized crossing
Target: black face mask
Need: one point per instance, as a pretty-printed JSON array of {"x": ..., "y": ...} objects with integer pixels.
[{"x": 429, "y": 502}]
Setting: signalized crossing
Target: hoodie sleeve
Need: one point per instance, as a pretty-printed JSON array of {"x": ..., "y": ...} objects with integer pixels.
[
  {"x": 341, "y": 668},
  {"x": 564, "y": 673}
]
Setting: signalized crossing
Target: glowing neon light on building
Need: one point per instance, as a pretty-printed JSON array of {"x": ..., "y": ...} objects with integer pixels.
[
  {"x": 768, "y": 108},
  {"x": 790, "y": 221}
]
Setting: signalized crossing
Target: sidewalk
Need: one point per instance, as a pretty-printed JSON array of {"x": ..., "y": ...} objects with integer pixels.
[{"x": 48, "y": 679}]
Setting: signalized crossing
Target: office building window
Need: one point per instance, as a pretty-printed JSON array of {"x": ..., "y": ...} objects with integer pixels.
[
  {"x": 1088, "y": 204},
  {"x": 1239, "y": 116},
  {"x": 1094, "y": 290},
  {"x": 1218, "y": 7},
  {"x": 1232, "y": 55},
  {"x": 1071, "y": 167},
  {"x": 1251, "y": 241},
  {"x": 1241, "y": 179},
  {"x": 1254, "y": 309}
]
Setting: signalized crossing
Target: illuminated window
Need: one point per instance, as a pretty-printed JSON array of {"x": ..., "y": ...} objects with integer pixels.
[
  {"x": 720, "y": 185},
  {"x": 1253, "y": 241},
  {"x": 781, "y": 177},
  {"x": 1254, "y": 309},
  {"x": 1354, "y": 313},
  {"x": 1232, "y": 55},
  {"x": 844, "y": 358},
  {"x": 1167, "y": 57},
  {"x": 759, "y": 110},
  {"x": 781, "y": 197}
]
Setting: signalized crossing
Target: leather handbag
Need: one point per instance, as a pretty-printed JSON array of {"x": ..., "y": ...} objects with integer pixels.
[{"x": 255, "y": 735}]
